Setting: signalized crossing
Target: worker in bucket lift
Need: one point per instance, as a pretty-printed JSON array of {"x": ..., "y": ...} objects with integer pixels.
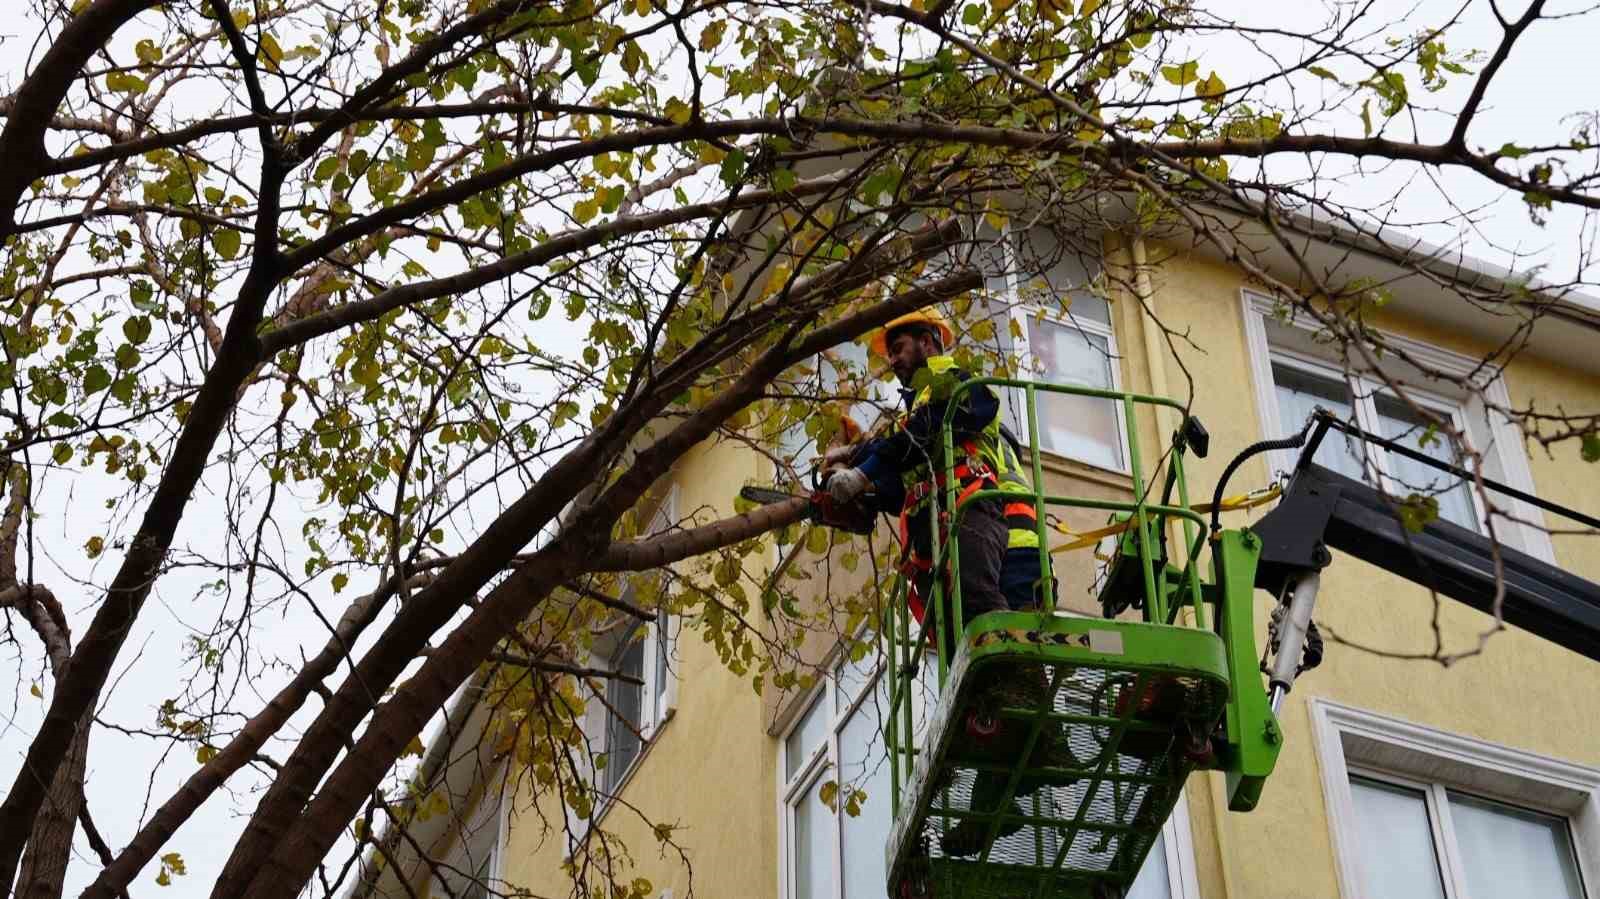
[{"x": 996, "y": 538}]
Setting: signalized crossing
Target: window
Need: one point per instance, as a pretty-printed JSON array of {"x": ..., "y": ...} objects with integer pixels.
[
  {"x": 1065, "y": 337},
  {"x": 469, "y": 868},
  {"x": 633, "y": 709},
  {"x": 1293, "y": 374},
  {"x": 1423, "y": 840},
  {"x": 1300, "y": 385},
  {"x": 829, "y": 854},
  {"x": 1421, "y": 813},
  {"x": 625, "y": 721},
  {"x": 1077, "y": 353}
]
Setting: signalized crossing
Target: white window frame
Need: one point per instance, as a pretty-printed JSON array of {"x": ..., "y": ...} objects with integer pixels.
[
  {"x": 1363, "y": 396},
  {"x": 1177, "y": 835},
  {"x": 1020, "y": 312},
  {"x": 1505, "y": 459},
  {"x": 494, "y": 792},
  {"x": 659, "y": 701},
  {"x": 1368, "y": 744}
]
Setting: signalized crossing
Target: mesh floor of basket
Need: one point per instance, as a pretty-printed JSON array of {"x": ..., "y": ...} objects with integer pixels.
[{"x": 1086, "y": 815}]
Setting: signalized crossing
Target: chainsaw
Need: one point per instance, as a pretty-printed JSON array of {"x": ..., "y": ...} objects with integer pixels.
[{"x": 855, "y": 517}]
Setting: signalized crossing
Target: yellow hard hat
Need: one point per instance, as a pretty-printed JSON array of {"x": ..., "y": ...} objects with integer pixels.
[{"x": 931, "y": 317}]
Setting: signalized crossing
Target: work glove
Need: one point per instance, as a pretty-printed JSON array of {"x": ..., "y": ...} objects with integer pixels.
[{"x": 846, "y": 484}]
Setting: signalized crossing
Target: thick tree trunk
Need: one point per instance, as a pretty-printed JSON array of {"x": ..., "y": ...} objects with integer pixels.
[{"x": 44, "y": 864}]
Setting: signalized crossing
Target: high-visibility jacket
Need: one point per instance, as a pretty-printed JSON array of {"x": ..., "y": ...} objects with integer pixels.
[{"x": 984, "y": 460}]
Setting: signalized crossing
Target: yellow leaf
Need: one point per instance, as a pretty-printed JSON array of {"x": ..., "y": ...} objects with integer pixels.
[
  {"x": 828, "y": 793},
  {"x": 1210, "y": 87},
  {"x": 34, "y": 689},
  {"x": 413, "y": 748},
  {"x": 205, "y": 753},
  {"x": 269, "y": 52},
  {"x": 712, "y": 35}
]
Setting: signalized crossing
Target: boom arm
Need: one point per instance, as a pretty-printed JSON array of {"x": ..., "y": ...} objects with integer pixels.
[{"x": 1323, "y": 510}]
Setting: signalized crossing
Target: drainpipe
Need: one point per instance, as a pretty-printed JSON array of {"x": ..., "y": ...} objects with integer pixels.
[{"x": 1155, "y": 358}]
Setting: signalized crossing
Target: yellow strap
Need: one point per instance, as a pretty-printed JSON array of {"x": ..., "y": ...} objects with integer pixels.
[{"x": 1082, "y": 539}]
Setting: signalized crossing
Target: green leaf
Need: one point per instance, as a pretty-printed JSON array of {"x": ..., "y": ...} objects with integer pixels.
[
  {"x": 62, "y": 454},
  {"x": 732, "y": 167},
  {"x": 127, "y": 356},
  {"x": 1417, "y": 511},
  {"x": 1366, "y": 117},
  {"x": 1591, "y": 448},
  {"x": 1211, "y": 88},
  {"x": 147, "y": 52},
  {"x": 340, "y": 581},
  {"x": 136, "y": 329},
  {"x": 326, "y": 168},
  {"x": 1182, "y": 74},
  {"x": 95, "y": 379},
  {"x": 972, "y": 14},
  {"x": 817, "y": 541},
  {"x": 1511, "y": 151},
  {"x": 1320, "y": 72},
  {"x": 226, "y": 242}
]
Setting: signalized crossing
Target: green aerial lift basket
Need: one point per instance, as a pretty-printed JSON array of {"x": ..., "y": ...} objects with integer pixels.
[
  {"x": 1075, "y": 735},
  {"x": 1059, "y": 745}
]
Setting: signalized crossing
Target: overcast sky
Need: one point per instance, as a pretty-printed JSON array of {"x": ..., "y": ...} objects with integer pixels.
[{"x": 1549, "y": 76}]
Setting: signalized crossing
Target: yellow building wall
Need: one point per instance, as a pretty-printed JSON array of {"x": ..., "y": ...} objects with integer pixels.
[
  {"x": 713, "y": 768},
  {"x": 1520, "y": 692}
]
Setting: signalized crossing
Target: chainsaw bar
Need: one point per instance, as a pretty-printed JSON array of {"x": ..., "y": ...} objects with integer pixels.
[{"x": 766, "y": 496}]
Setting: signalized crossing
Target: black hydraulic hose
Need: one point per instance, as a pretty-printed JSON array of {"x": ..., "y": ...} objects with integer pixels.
[{"x": 1253, "y": 449}]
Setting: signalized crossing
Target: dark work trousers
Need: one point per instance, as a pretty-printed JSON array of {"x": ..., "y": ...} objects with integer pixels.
[
  {"x": 981, "y": 544},
  {"x": 1019, "y": 580}
]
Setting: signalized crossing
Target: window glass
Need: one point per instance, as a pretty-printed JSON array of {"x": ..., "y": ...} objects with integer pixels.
[
  {"x": 1299, "y": 393},
  {"x": 626, "y": 715},
  {"x": 864, "y": 765},
  {"x": 1047, "y": 272},
  {"x": 813, "y": 845},
  {"x": 1507, "y": 851},
  {"x": 1397, "y": 852},
  {"x": 1079, "y": 427},
  {"x": 806, "y": 737},
  {"x": 1401, "y": 423}
]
